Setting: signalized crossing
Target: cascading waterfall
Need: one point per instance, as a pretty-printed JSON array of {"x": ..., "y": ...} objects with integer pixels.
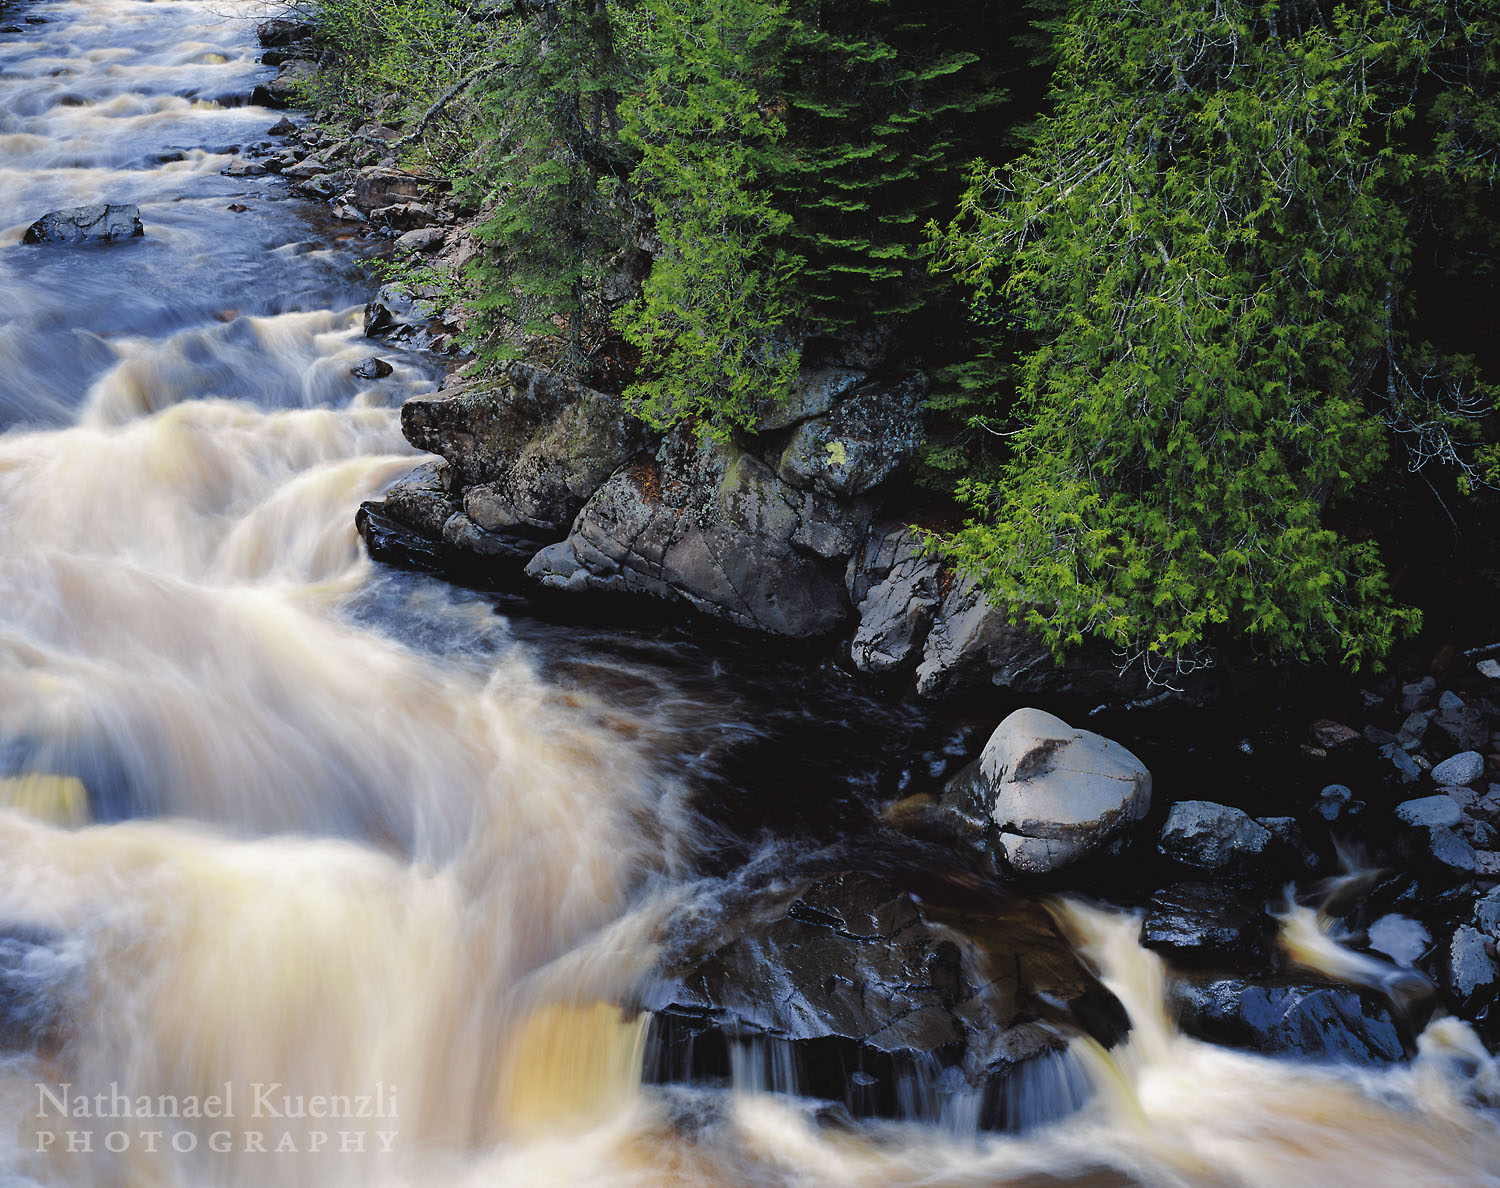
[{"x": 286, "y": 828}]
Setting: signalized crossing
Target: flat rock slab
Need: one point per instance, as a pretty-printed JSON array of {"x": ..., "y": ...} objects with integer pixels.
[{"x": 100, "y": 223}]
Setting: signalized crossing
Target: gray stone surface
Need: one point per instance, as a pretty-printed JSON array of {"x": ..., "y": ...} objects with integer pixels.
[
  {"x": 1209, "y": 836},
  {"x": 1471, "y": 970},
  {"x": 1055, "y": 794},
  {"x": 896, "y": 611},
  {"x": 710, "y": 525},
  {"x": 864, "y": 439},
  {"x": 1464, "y": 768},
  {"x": 1400, "y": 938},
  {"x": 100, "y": 223},
  {"x": 1430, "y": 812}
]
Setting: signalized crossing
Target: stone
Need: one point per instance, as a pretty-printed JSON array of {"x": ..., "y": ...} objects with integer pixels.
[
  {"x": 282, "y": 31},
  {"x": 1404, "y": 764},
  {"x": 101, "y": 223},
  {"x": 1400, "y": 938},
  {"x": 708, "y": 525},
  {"x": 282, "y": 127},
  {"x": 1317, "y": 1021},
  {"x": 1489, "y": 668},
  {"x": 1206, "y": 924},
  {"x": 240, "y": 167},
  {"x": 1487, "y": 863},
  {"x": 866, "y": 437},
  {"x": 372, "y": 368},
  {"x": 1452, "y": 852},
  {"x": 1487, "y": 913},
  {"x": 1471, "y": 969},
  {"x": 1465, "y": 768},
  {"x": 1328, "y": 733},
  {"x": 422, "y": 239},
  {"x": 1333, "y": 801},
  {"x": 379, "y": 187},
  {"x": 1216, "y": 837},
  {"x": 403, "y": 216},
  {"x": 848, "y": 988},
  {"x": 1413, "y": 729},
  {"x": 1464, "y": 726},
  {"x": 421, "y": 500},
  {"x": 527, "y": 450},
  {"x": 1053, "y": 793},
  {"x": 814, "y": 393},
  {"x": 1430, "y": 812},
  {"x": 283, "y": 90},
  {"x": 896, "y": 610}
]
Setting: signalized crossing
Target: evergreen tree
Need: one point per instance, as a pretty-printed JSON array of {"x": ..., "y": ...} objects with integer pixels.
[
  {"x": 715, "y": 319},
  {"x": 554, "y": 178},
  {"x": 1206, "y": 242}
]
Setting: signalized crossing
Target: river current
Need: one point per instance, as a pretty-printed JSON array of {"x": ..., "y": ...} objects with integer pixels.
[{"x": 299, "y": 830}]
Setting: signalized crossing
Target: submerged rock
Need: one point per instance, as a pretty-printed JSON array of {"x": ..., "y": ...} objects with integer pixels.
[
  {"x": 850, "y": 989},
  {"x": 1207, "y": 924},
  {"x": 1284, "y": 1017},
  {"x": 101, "y": 223},
  {"x": 1053, "y": 794}
]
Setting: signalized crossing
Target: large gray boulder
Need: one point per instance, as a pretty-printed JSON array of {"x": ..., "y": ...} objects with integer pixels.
[
  {"x": 1052, "y": 794},
  {"x": 526, "y": 452},
  {"x": 860, "y": 442},
  {"x": 100, "y": 223},
  {"x": 709, "y": 525}
]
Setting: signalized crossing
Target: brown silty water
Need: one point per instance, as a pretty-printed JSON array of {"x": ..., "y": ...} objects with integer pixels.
[{"x": 333, "y": 858}]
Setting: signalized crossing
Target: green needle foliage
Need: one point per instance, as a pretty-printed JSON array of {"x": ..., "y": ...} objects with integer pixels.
[
  {"x": 1205, "y": 243},
  {"x": 713, "y": 322}
]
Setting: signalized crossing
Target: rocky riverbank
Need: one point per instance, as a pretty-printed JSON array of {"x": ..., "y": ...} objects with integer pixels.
[{"x": 1332, "y": 927}]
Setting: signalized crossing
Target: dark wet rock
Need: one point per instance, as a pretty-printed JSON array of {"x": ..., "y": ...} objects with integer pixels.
[
  {"x": 373, "y": 368},
  {"x": 1214, "y": 837},
  {"x": 708, "y": 525},
  {"x": 1207, "y": 924},
  {"x": 282, "y": 31},
  {"x": 1289, "y": 847},
  {"x": 1451, "y": 852},
  {"x": 240, "y": 167},
  {"x": 1049, "y": 795},
  {"x": 859, "y": 443},
  {"x": 526, "y": 450},
  {"x": 393, "y": 543},
  {"x": 422, "y": 500},
  {"x": 1416, "y": 696},
  {"x": 378, "y": 319},
  {"x": 39, "y": 972},
  {"x": 1330, "y": 734},
  {"x": 1463, "y": 726},
  {"x": 282, "y": 127},
  {"x": 1413, "y": 729},
  {"x": 101, "y": 223},
  {"x": 284, "y": 89},
  {"x": 849, "y": 989},
  {"x": 1408, "y": 768},
  {"x": 1465, "y": 768},
  {"x": 1284, "y": 1017}
]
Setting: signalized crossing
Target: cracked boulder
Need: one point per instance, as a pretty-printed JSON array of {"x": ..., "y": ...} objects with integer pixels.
[
  {"x": 523, "y": 454},
  {"x": 101, "y": 223},
  {"x": 1046, "y": 795},
  {"x": 710, "y": 526},
  {"x": 850, "y": 989}
]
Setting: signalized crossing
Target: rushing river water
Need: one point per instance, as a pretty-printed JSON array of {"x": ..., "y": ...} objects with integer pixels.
[{"x": 355, "y": 834}]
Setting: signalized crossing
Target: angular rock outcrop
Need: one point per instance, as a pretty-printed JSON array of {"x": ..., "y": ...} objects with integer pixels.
[
  {"x": 711, "y": 526},
  {"x": 1213, "y": 837},
  {"x": 850, "y": 989},
  {"x": 525, "y": 453},
  {"x": 860, "y": 442},
  {"x": 1047, "y": 794},
  {"x": 100, "y": 223}
]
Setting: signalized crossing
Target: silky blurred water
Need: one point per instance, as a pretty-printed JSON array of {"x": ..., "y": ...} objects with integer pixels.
[{"x": 287, "y": 819}]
